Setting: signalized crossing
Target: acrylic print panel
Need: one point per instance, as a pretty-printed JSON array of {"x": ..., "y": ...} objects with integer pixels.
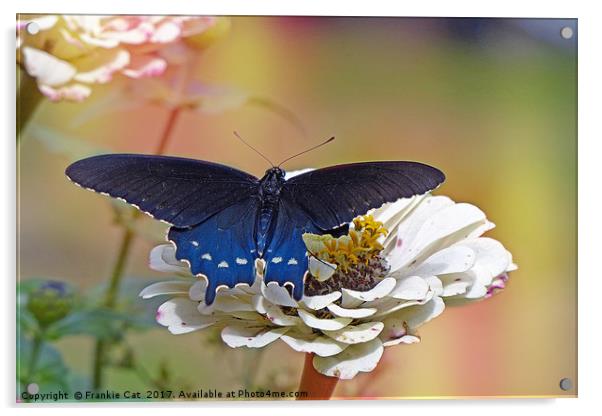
[{"x": 461, "y": 289}]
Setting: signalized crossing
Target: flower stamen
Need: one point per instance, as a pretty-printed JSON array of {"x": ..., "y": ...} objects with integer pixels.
[{"x": 357, "y": 255}]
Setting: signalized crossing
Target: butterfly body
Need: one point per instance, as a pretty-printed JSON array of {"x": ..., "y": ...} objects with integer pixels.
[
  {"x": 269, "y": 199},
  {"x": 222, "y": 219}
]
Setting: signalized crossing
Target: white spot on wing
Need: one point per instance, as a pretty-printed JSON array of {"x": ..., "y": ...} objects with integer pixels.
[
  {"x": 223, "y": 264},
  {"x": 240, "y": 261},
  {"x": 293, "y": 261},
  {"x": 276, "y": 260},
  {"x": 207, "y": 256},
  {"x": 195, "y": 243}
]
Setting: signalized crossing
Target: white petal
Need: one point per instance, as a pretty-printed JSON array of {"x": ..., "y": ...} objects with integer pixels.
[
  {"x": 474, "y": 291},
  {"x": 250, "y": 336},
  {"x": 354, "y": 298},
  {"x": 260, "y": 304},
  {"x": 163, "y": 259},
  {"x": 435, "y": 284},
  {"x": 455, "y": 259},
  {"x": 405, "y": 339},
  {"x": 248, "y": 316},
  {"x": 444, "y": 228},
  {"x": 230, "y": 304},
  {"x": 417, "y": 315},
  {"x": 294, "y": 173},
  {"x": 388, "y": 214},
  {"x": 354, "y": 334},
  {"x": 498, "y": 283},
  {"x": 457, "y": 283},
  {"x": 321, "y": 270},
  {"x": 389, "y": 305},
  {"x": 277, "y": 294},
  {"x": 407, "y": 230},
  {"x": 100, "y": 42},
  {"x": 345, "y": 365},
  {"x": 329, "y": 324},
  {"x": 351, "y": 313},
  {"x": 491, "y": 261},
  {"x": 273, "y": 312},
  {"x": 397, "y": 331},
  {"x": 47, "y": 69},
  {"x": 180, "y": 316},
  {"x": 320, "y": 301},
  {"x": 71, "y": 92},
  {"x": 392, "y": 215},
  {"x": 320, "y": 345},
  {"x": 143, "y": 66},
  {"x": 103, "y": 66},
  {"x": 426, "y": 312},
  {"x": 197, "y": 290},
  {"x": 177, "y": 287},
  {"x": 166, "y": 32},
  {"x": 410, "y": 288}
]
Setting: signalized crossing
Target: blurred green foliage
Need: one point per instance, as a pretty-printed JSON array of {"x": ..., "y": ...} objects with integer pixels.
[{"x": 49, "y": 310}]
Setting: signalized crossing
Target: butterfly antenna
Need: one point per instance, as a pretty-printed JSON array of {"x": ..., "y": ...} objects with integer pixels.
[
  {"x": 320, "y": 260},
  {"x": 252, "y": 148},
  {"x": 305, "y": 151}
]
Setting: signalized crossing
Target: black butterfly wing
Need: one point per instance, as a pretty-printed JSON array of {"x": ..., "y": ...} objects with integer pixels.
[
  {"x": 222, "y": 248},
  {"x": 337, "y": 194},
  {"x": 182, "y": 192}
]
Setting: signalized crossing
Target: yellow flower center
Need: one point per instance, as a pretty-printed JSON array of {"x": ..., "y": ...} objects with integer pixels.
[{"x": 360, "y": 245}]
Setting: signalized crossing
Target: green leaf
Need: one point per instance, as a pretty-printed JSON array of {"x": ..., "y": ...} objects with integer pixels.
[
  {"x": 97, "y": 323},
  {"x": 131, "y": 310},
  {"x": 50, "y": 372}
]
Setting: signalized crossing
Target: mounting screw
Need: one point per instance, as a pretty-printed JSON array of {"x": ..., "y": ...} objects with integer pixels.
[
  {"x": 32, "y": 28},
  {"x": 566, "y": 32},
  {"x": 566, "y": 384}
]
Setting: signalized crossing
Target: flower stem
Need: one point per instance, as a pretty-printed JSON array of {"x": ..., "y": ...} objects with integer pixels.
[
  {"x": 112, "y": 293},
  {"x": 28, "y": 100},
  {"x": 109, "y": 302},
  {"x": 34, "y": 357},
  {"x": 36, "y": 347},
  {"x": 167, "y": 130},
  {"x": 318, "y": 386}
]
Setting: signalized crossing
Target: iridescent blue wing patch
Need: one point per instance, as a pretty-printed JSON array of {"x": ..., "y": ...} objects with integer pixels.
[
  {"x": 222, "y": 248},
  {"x": 286, "y": 254}
]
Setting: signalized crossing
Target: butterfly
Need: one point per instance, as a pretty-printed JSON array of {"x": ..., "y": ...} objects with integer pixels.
[{"x": 222, "y": 219}]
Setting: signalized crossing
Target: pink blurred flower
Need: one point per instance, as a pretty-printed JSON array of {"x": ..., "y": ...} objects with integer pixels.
[{"x": 69, "y": 54}]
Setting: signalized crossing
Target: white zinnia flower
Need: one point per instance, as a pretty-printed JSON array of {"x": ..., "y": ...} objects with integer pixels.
[{"x": 395, "y": 271}]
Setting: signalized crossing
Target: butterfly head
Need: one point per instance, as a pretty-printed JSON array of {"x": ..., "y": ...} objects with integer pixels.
[
  {"x": 272, "y": 181},
  {"x": 275, "y": 172}
]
